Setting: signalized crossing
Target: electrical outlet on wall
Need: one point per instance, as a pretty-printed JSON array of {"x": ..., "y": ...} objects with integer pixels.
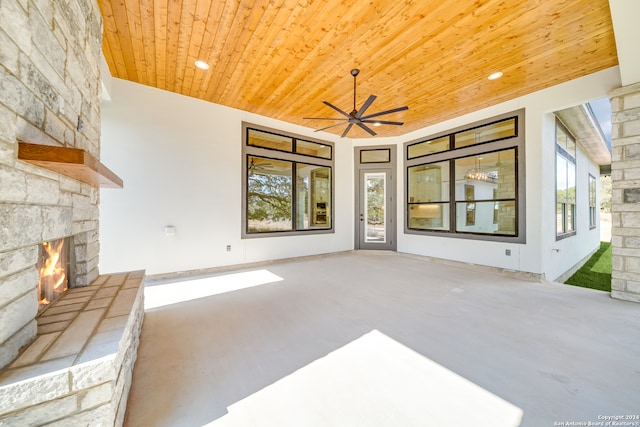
[
  {"x": 507, "y": 252},
  {"x": 228, "y": 248}
]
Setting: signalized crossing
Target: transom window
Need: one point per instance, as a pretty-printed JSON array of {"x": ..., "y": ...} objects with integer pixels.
[
  {"x": 467, "y": 182},
  {"x": 289, "y": 144},
  {"x": 288, "y": 186},
  {"x": 490, "y": 132}
]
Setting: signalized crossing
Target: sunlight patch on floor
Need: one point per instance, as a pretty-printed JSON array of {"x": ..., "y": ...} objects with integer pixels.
[
  {"x": 372, "y": 381},
  {"x": 186, "y": 290}
]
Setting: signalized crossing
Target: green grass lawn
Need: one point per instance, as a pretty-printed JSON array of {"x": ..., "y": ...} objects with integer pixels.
[{"x": 596, "y": 273}]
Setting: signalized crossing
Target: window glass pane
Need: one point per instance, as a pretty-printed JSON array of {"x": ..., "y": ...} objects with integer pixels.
[
  {"x": 269, "y": 140},
  {"x": 490, "y": 132},
  {"x": 560, "y": 218},
  {"x": 592, "y": 201},
  {"x": 313, "y": 197},
  {"x": 375, "y": 156},
  {"x": 429, "y": 216},
  {"x": 429, "y": 183},
  {"x": 375, "y": 207},
  {"x": 561, "y": 137},
  {"x": 484, "y": 213},
  {"x": 571, "y": 182},
  {"x": 487, "y": 172},
  {"x": 507, "y": 219},
  {"x": 470, "y": 208},
  {"x": 561, "y": 178},
  {"x": 571, "y": 146},
  {"x": 269, "y": 194},
  {"x": 571, "y": 210},
  {"x": 428, "y": 147},
  {"x": 314, "y": 149},
  {"x": 592, "y": 191}
]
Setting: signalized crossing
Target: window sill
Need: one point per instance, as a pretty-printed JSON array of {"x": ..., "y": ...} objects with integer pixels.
[{"x": 565, "y": 235}]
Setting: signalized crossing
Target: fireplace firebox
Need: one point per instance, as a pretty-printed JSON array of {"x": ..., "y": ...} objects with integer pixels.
[{"x": 54, "y": 267}]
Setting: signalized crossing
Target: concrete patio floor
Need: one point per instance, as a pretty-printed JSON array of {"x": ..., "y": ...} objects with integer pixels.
[{"x": 381, "y": 339}]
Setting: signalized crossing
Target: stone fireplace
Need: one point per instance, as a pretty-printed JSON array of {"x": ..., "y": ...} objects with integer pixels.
[
  {"x": 19, "y": 290},
  {"x": 79, "y": 358},
  {"x": 50, "y": 81}
]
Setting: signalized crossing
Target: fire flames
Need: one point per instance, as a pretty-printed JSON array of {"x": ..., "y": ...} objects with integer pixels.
[{"x": 53, "y": 278}]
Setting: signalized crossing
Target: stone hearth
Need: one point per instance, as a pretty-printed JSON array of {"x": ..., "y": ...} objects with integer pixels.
[{"x": 78, "y": 370}]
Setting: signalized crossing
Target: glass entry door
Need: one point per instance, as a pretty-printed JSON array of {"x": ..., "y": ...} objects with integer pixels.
[
  {"x": 375, "y": 223},
  {"x": 374, "y": 210}
]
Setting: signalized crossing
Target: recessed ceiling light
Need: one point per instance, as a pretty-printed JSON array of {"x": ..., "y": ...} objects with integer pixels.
[
  {"x": 202, "y": 65},
  {"x": 376, "y": 124},
  {"x": 494, "y": 76}
]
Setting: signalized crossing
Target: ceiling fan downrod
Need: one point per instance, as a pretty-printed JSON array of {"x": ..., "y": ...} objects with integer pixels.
[{"x": 354, "y": 73}]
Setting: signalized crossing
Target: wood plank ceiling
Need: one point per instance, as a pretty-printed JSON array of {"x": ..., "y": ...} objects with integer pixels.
[{"x": 282, "y": 58}]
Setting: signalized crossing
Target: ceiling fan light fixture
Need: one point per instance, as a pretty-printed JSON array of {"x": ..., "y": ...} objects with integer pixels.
[
  {"x": 495, "y": 76},
  {"x": 202, "y": 65}
]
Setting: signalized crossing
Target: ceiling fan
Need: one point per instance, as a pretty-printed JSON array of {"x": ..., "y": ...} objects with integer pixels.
[
  {"x": 357, "y": 117},
  {"x": 257, "y": 166}
]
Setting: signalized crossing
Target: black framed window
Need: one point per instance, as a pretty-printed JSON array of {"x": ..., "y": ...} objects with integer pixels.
[
  {"x": 288, "y": 184},
  {"x": 468, "y": 182}
]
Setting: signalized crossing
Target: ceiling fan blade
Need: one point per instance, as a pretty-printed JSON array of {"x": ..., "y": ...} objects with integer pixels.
[
  {"x": 383, "y": 122},
  {"x": 365, "y": 106},
  {"x": 346, "y": 131},
  {"x": 363, "y": 126},
  {"x": 382, "y": 113},
  {"x": 324, "y": 118},
  {"x": 336, "y": 108},
  {"x": 332, "y": 126}
]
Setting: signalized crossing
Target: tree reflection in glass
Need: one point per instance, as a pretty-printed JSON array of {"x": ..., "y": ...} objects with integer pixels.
[{"x": 269, "y": 194}]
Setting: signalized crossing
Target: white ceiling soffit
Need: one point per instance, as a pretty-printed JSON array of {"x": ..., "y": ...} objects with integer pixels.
[
  {"x": 583, "y": 125},
  {"x": 624, "y": 14}
]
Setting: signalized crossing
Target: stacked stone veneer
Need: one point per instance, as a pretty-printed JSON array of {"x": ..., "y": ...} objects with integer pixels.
[
  {"x": 49, "y": 82},
  {"x": 78, "y": 371},
  {"x": 625, "y": 203}
]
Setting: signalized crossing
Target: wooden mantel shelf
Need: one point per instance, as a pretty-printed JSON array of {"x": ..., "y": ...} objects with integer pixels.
[{"x": 72, "y": 162}]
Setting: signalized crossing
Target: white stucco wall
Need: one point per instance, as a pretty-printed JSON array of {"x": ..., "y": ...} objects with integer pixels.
[{"x": 180, "y": 159}]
